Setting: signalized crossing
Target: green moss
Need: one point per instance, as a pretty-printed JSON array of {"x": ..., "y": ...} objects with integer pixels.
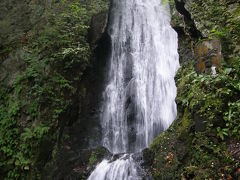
[
  {"x": 197, "y": 155},
  {"x": 93, "y": 158},
  {"x": 200, "y": 155},
  {"x": 165, "y": 161},
  {"x": 185, "y": 124},
  {"x": 55, "y": 57}
]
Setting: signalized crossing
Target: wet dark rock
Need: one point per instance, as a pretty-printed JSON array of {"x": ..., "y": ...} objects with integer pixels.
[
  {"x": 148, "y": 157},
  {"x": 200, "y": 123},
  {"x": 234, "y": 149},
  {"x": 185, "y": 49},
  {"x": 45, "y": 153},
  {"x": 97, "y": 27},
  {"x": 185, "y": 38},
  {"x": 182, "y": 20},
  {"x": 81, "y": 151},
  {"x": 78, "y": 165}
]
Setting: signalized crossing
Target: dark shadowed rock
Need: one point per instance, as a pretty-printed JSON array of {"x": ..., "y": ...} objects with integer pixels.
[
  {"x": 97, "y": 28},
  {"x": 76, "y": 164},
  {"x": 200, "y": 124},
  {"x": 12, "y": 66},
  {"x": 148, "y": 157}
]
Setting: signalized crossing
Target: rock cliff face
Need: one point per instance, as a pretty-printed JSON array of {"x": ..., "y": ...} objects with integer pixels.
[
  {"x": 207, "y": 20},
  {"x": 47, "y": 91},
  {"x": 17, "y": 21},
  {"x": 81, "y": 151},
  {"x": 194, "y": 147},
  {"x": 19, "y": 17},
  {"x": 50, "y": 81}
]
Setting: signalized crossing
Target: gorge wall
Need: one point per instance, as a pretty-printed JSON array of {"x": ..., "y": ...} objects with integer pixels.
[
  {"x": 51, "y": 72},
  {"x": 44, "y": 52}
]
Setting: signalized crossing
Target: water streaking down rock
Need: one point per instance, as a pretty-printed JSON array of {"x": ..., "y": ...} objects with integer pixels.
[{"x": 139, "y": 98}]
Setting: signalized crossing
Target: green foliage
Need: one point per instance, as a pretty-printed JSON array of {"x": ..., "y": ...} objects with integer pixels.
[
  {"x": 168, "y": 1},
  {"x": 215, "y": 98},
  {"x": 55, "y": 57},
  {"x": 218, "y": 34},
  {"x": 185, "y": 124},
  {"x": 221, "y": 19},
  {"x": 205, "y": 154},
  {"x": 93, "y": 158}
]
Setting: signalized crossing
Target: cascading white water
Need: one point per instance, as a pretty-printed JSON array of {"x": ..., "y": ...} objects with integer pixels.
[
  {"x": 123, "y": 168},
  {"x": 139, "y": 99}
]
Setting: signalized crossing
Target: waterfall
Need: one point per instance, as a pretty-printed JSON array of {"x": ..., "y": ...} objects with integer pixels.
[
  {"x": 139, "y": 98},
  {"x": 123, "y": 168}
]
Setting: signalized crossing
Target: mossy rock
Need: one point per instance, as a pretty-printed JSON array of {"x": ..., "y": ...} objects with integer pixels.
[
  {"x": 181, "y": 152},
  {"x": 169, "y": 149},
  {"x": 185, "y": 124}
]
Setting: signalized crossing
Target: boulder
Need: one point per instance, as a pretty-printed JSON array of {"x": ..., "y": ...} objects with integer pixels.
[{"x": 208, "y": 55}]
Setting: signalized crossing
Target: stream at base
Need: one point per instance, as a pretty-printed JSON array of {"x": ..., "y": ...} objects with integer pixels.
[{"x": 124, "y": 168}]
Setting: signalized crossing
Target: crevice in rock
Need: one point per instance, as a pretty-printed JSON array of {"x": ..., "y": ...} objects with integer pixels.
[{"x": 192, "y": 30}]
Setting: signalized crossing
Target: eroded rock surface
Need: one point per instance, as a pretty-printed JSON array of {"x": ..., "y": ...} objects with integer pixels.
[{"x": 208, "y": 54}]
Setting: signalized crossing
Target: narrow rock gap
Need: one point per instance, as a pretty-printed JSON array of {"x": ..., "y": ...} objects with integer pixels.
[{"x": 193, "y": 31}]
